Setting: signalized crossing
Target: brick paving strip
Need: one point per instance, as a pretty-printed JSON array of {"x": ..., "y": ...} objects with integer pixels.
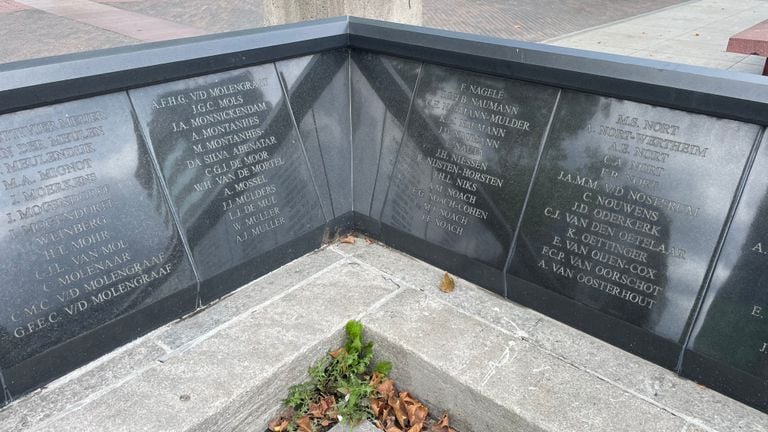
[
  {"x": 8, "y": 6},
  {"x": 127, "y": 23}
]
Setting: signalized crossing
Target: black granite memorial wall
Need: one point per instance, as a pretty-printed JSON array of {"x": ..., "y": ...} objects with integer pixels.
[
  {"x": 91, "y": 254},
  {"x": 621, "y": 196}
]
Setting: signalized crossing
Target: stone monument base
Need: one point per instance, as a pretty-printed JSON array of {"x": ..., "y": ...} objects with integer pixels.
[{"x": 493, "y": 364}]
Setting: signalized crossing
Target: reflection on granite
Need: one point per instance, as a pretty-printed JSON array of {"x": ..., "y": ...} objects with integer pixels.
[
  {"x": 230, "y": 154},
  {"x": 87, "y": 233},
  {"x": 318, "y": 91},
  {"x": 625, "y": 211},
  {"x": 382, "y": 89},
  {"x": 466, "y": 161},
  {"x": 732, "y": 327},
  {"x": 623, "y": 205}
]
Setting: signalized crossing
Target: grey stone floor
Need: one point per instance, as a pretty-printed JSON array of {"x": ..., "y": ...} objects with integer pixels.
[
  {"x": 691, "y": 32},
  {"x": 28, "y": 33},
  {"x": 694, "y": 33},
  {"x": 227, "y": 367},
  {"x": 532, "y": 20}
]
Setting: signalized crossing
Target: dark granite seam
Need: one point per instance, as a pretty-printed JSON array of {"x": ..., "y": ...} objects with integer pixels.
[
  {"x": 381, "y": 149},
  {"x": 312, "y": 174},
  {"x": 712, "y": 266},
  {"x": 322, "y": 159},
  {"x": 402, "y": 138},
  {"x": 6, "y": 394},
  {"x": 351, "y": 129},
  {"x": 536, "y": 165},
  {"x": 167, "y": 198}
]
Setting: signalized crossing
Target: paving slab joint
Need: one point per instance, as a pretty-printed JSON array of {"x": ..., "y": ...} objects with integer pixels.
[{"x": 255, "y": 407}]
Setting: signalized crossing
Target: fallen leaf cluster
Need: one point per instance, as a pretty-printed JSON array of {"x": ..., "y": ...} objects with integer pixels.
[
  {"x": 447, "y": 284},
  {"x": 344, "y": 387},
  {"x": 395, "y": 411},
  {"x": 339, "y": 388},
  {"x": 322, "y": 413}
]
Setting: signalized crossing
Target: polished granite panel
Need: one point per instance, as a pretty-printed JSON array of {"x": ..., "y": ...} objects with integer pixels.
[
  {"x": 382, "y": 89},
  {"x": 238, "y": 177},
  {"x": 732, "y": 327},
  {"x": 627, "y": 208},
  {"x": 87, "y": 237},
  {"x": 466, "y": 162},
  {"x": 318, "y": 91}
]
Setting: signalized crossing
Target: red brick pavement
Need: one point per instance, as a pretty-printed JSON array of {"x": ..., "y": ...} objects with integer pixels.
[
  {"x": 134, "y": 25},
  {"x": 8, "y": 6}
]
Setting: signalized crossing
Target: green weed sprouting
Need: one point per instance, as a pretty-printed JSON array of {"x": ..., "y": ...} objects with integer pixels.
[{"x": 339, "y": 387}]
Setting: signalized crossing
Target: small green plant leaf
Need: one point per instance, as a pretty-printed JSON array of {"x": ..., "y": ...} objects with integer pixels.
[
  {"x": 344, "y": 376},
  {"x": 383, "y": 368},
  {"x": 354, "y": 329}
]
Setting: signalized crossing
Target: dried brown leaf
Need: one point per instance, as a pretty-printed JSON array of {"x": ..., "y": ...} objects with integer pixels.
[
  {"x": 369, "y": 241},
  {"x": 316, "y": 411},
  {"x": 417, "y": 414},
  {"x": 304, "y": 424},
  {"x": 386, "y": 388},
  {"x": 407, "y": 398},
  {"x": 348, "y": 239},
  {"x": 447, "y": 284},
  {"x": 394, "y": 429},
  {"x": 380, "y": 408},
  {"x": 443, "y": 425},
  {"x": 278, "y": 425},
  {"x": 323, "y": 408},
  {"x": 399, "y": 410},
  {"x": 376, "y": 379},
  {"x": 389, "y": 422},
  {"x": 337, "y": 353},
  {"x": 416, "y": 428}
]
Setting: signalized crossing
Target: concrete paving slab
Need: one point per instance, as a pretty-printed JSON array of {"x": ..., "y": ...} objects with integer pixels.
[
  {"x": 697, "y": 48},
  {"x": 693, "y": 33},
  {"x": 746, "y": 68},
  {"x": 533, "y": 20},
  {"x": 511, "y": 372},
  {"x": 647, "y": 31},
  {"x": 466, "y": 297},
  {"x": 266, "y": 288},
  {"x": 712, "y": 36},
  {"x": 644, "y": 379},
  {"x": 229, "y": 379},
  {"x": 596, "y": 41},
  {"x": 443, "y": 393},
  {"x": 754, "y": 60},
  {"x": 79, "y": 387}
]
